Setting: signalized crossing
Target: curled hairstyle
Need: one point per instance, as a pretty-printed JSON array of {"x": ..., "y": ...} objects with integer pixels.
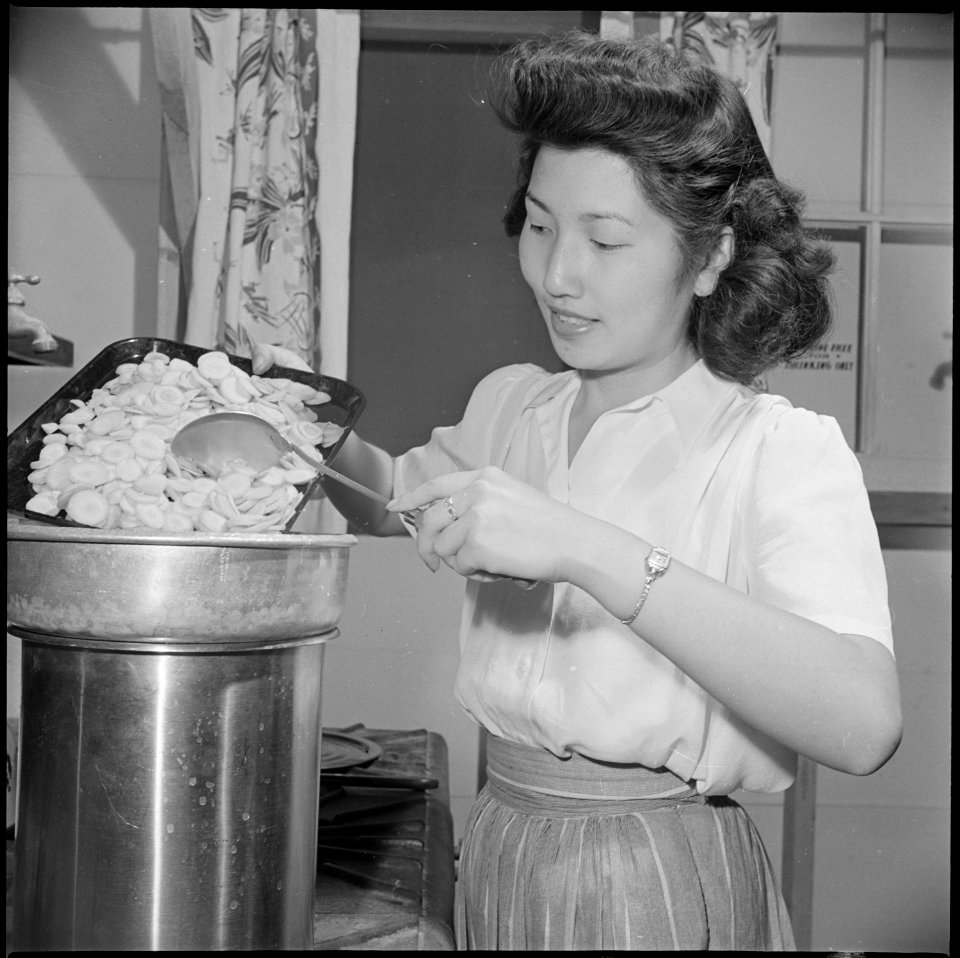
[{"x": 686, "y": 132}]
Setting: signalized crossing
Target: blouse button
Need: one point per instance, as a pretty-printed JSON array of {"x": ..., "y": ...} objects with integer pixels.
[{"x": 523, "y": 666}]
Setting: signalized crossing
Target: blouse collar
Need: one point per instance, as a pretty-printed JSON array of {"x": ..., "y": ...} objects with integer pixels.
[{"x": 691, "y": 399}]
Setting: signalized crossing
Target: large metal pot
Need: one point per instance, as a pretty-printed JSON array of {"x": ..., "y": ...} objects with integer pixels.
[
  {"x": 194, "y": 588},
  {"x": 170, "y": 735}
]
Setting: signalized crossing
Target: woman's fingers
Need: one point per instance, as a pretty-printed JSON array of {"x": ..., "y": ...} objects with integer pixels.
[
  {"x": 448, "y": 528},
  {"x": 263, "y": 356},
  {"x": 486, "y": 525},
  {"x": 433, "y": 490},
  {"x": 434, "y": 521}
]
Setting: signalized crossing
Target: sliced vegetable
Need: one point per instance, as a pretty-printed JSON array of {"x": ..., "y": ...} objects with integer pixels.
[
  {"x": 128, "y": 469},
  {"x": 150, "y": 515},
  {"x": 212, "y": 521},
  {"x": 44, "y": 503},
  {"x": 174, "y": 521},
  {"x": 79, "y": 415},
  {"x": 195, "y": 499},
  {"x": 113, "y": 448},
  {"x": 116, "y": 451},
  {"x": 106, "y": 421},
  {"x": 88, "y": 506},
  {"x": 300, "y": 433},
  {"x": 52, "y": 452},
  {"x": 95, "y": 445},
  {"x": 89, "y": 472},
  {"x": 153, "y": 485},
  {"x": 214, "y": 366},
  {"x": 148, "y": 445},
  {"x": 231, "y": 391},
  {"x": 298, "y": 476},
  {"x": 236, "y": 484},
  {"x": 58, "y": 475}
]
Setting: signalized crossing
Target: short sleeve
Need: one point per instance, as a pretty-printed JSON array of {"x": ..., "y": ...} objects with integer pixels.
[
  {"x": 813, "y": 547},
  {"x": 493, "y": 406}
]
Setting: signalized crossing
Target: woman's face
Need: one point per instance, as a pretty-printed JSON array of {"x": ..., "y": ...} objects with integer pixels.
[{"x": 604, "y": 268}]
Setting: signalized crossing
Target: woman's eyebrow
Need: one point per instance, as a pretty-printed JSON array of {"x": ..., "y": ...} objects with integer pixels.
[
  {"x": 586, "y": 217},
  {"x": 536, "y": 202}
]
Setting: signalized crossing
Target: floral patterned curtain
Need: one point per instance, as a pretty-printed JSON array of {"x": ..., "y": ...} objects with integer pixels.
[
  {"x": 739, "y": 44},
  {"x": 256, "y": 252},
  {"x": 240, "y": 89}
]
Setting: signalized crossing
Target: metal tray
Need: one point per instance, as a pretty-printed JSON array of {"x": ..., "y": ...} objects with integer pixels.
[{"x": 24, "y": 443}]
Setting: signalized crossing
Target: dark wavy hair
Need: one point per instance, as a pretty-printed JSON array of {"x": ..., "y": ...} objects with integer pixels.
[{"x": 687, "y": 133}]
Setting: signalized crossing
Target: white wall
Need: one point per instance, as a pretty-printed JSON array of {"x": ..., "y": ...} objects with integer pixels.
[
  {"x": 84, "y": 167},
  {"x": 394, "y": 664},
  {"x": 83, "y": 191}
]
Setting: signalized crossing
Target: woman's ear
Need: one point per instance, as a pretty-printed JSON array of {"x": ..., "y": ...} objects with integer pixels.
[{"x": 717, "y": 262}]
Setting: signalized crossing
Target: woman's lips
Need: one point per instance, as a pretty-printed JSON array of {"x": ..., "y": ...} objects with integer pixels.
[{"x": 565, "y": 323}]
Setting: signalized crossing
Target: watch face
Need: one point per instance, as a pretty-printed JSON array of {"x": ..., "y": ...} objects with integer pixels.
[{"x": 658, "y": 560}]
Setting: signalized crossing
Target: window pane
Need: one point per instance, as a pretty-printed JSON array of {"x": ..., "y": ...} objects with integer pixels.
[
  {"x": 918, "y": 125},
  {"x": 817, "y": 118},
  {"x": 825, "y": 380},
  {"x": 914, "y": 340},
  {"x": 918, "y": 32}
]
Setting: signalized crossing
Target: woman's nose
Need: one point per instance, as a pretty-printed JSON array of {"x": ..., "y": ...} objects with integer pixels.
[{"x": 562, "y": 272}]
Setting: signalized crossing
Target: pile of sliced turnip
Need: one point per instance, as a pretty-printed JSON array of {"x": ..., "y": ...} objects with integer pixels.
[{"x": 107, "y": 463}]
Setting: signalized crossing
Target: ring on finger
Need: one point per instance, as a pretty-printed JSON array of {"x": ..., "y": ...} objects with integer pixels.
[{"x": 451, "y": 511}]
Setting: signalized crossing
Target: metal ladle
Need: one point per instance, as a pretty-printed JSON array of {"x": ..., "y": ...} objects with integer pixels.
[{"x": 216, "y": 441}]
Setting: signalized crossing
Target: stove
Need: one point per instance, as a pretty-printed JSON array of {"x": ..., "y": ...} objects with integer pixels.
[{"x": 385, "y": 860}]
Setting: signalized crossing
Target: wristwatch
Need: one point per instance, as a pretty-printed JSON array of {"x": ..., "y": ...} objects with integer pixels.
[{"x": 657, "y": 563}]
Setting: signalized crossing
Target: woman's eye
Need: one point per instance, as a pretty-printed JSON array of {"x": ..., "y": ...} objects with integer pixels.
[
  {"x": 604, "y": 247},
  {"x": 536, "y": 228}
]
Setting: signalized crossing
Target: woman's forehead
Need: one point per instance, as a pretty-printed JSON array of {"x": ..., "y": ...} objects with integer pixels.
[{"x": 592, "y": 182}]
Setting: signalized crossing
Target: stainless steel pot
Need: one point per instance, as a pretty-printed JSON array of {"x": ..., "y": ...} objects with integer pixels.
[
  {"x": 194, "y": 588},
  {"x": 170, "y": 736}
]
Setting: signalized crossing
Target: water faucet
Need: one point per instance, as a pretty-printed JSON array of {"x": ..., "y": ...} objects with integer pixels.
[{"x": 19, "y": 322}]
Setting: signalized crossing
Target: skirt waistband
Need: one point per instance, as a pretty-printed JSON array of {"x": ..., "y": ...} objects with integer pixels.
[{"x": 534, "y": 769}]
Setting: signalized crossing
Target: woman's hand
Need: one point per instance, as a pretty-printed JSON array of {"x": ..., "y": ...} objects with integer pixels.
[
  {"x": 485, "y": 524},
  {"x": 264, "y": 355}
]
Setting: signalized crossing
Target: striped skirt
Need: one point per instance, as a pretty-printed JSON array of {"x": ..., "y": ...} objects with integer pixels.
[{"x": 583, "y": 855}]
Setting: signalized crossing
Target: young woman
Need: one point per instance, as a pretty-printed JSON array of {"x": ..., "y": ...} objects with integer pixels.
[{"x": 709, "y": 595}]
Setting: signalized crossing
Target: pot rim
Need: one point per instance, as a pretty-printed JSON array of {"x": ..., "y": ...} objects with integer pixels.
[{"x": 22, "y": 528}]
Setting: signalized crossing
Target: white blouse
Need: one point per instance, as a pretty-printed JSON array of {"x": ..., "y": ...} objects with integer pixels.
[{"x": 743, "y": 487}]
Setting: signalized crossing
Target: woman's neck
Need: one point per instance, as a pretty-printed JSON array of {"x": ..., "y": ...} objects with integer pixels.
[{"x": 603, "y": 390}]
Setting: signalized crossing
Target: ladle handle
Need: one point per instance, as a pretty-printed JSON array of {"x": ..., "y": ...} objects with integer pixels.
[{"x": 322, "y": 467}]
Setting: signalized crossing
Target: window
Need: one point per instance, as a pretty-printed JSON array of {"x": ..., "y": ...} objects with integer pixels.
[{"x": 862, "y": 122}]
